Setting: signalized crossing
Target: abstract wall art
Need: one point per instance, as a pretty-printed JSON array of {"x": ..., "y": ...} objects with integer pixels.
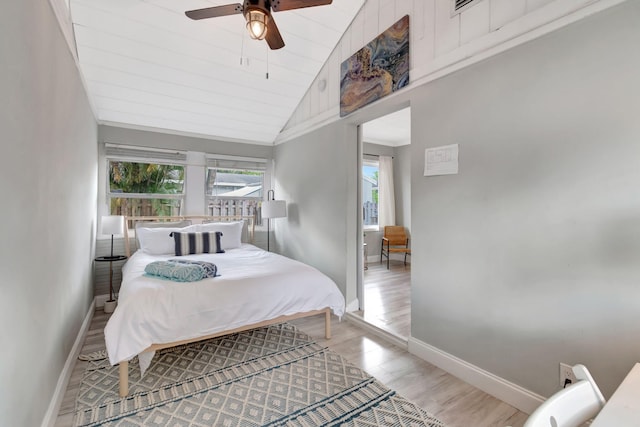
[{"x": 376, "y": 70}]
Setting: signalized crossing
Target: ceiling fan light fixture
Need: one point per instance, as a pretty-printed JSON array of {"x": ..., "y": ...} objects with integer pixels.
[{"x": 257, "y": 24}]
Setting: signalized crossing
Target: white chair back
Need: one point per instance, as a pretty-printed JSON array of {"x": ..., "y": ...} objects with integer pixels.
[{"x": 571, "y": 406}]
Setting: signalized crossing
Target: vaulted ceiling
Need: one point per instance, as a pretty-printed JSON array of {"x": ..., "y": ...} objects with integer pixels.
[{"x": 147, "y": 65}]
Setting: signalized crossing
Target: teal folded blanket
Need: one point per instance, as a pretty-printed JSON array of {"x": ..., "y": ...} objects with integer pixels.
[
  {"x": 177, "y": 272},
  {"x": 210, "y": 269}
]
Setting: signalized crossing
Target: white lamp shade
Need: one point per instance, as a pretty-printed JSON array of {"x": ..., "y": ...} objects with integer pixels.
[
  {"x": 274, "y": 209},
  {"x": 112, "y": 224}
]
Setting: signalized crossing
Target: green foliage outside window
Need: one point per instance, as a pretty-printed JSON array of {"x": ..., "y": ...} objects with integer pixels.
[
  {"x": 128, "y": 177},
  {"x": 143, "y": 179}
]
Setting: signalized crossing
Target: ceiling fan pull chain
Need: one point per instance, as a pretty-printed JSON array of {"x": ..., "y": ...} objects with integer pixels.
[{"x": 267, "y": 76}]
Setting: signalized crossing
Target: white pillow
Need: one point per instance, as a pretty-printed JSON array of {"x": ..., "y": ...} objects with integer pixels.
[
  {"x": 231, "y": 232},
  {"x": 157, "y": 241}
]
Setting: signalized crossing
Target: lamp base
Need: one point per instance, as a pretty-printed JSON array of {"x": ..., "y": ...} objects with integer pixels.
[{"x": 110, "y": 306}]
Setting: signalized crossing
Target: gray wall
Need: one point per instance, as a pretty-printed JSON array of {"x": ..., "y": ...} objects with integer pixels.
[
  {"x": 314, "y": 174},
  {"x": 529, "y": 256},
  {"x": 49, "y": 176}
]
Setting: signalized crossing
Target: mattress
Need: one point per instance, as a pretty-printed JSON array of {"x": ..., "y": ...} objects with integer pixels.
[{"x": 253, "y": 286}]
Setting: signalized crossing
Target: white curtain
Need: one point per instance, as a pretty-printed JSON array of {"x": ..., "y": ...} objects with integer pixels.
[{"x": 386, "y": 196}]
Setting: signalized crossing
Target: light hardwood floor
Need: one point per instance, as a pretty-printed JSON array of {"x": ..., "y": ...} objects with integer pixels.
[
  {"x": 387, "y": 302},
  {"x": 455, "y": 402}
]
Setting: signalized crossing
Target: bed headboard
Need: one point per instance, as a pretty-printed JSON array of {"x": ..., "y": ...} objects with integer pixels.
[{"x": 132, "y": 222}]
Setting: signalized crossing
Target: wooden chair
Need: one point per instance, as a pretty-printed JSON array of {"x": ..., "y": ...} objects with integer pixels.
[
  {"x": 571, "y": 406},
  {"x": 394, "y": 240}
]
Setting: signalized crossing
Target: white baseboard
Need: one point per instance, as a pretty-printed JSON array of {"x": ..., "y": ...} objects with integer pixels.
[
  {"x": 51, "y": 415},
  {"x": 353, "y": 305},
  {"x": 508, "y": 392},
  {"x": 350, "y": 317}
]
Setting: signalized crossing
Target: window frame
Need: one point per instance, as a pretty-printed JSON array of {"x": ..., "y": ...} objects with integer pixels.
[
  {"x": 224, "y": 162},
  {"x": 369, "y": 162},
  {"x": 145, "y": 196}
]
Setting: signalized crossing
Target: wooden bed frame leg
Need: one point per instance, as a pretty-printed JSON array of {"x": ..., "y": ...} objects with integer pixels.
[
  {"x": 124, "y": 378},
  {"x": 327, "y": 324}
]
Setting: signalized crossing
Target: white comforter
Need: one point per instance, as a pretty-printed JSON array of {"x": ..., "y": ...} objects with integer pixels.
[{"x": 254, "y": 286}]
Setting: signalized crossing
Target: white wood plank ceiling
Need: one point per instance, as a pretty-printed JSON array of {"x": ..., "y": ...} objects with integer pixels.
[{"x": 147, "y": 65}]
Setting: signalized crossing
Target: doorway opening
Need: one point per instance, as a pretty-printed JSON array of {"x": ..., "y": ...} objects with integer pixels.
[{"x": 385, "y": 190}]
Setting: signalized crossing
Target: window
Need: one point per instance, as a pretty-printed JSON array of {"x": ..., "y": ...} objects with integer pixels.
[
  {"x": 234, "y": 186},
  {"x": 370, "y": 171},
  {"x": 139, "y": 186}
]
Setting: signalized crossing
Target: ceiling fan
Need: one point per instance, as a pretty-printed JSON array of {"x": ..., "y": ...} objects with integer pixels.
[{"x": 258, "y": 15}]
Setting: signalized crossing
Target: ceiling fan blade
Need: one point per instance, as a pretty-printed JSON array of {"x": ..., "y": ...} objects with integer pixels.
[
  {"x": 280, "y": 5},
  {"x": 212, "y": 12},
  {"x": 274, "y": 39}
]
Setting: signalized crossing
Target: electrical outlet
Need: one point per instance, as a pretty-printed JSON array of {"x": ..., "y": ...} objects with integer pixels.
[{"x": 566, "y": 373}]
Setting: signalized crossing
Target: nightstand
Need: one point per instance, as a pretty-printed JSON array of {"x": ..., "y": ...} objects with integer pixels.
[{"x": 110, "y": 305}]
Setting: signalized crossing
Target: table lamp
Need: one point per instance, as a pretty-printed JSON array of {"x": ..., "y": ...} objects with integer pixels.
[{"x": 112, "y": 224}]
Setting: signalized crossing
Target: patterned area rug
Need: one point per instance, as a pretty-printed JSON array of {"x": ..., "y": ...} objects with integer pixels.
[{"x": 271, "y": 376}]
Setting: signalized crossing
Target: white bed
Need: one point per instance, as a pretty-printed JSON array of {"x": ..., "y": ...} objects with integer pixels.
[{"x": 254, "y": 288}]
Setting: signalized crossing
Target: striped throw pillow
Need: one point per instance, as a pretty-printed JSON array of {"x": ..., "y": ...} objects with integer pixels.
[{"x": 197, "y": 243}]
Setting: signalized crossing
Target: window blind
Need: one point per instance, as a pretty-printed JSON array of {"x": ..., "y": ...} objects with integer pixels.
[
  {"x": 242, "y": 163},
  {"x": 145, "y": 153}
]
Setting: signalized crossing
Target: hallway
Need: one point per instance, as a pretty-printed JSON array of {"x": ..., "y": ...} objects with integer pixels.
[{"x": 388, "y": 297}]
